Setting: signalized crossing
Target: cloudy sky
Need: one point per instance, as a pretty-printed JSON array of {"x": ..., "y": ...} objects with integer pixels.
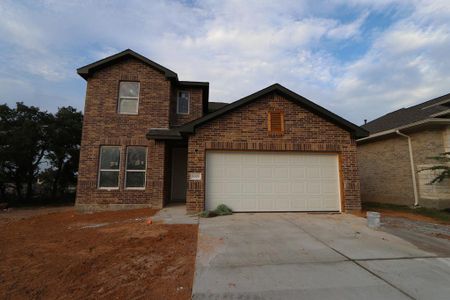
[{"x": 358, "y": 58}]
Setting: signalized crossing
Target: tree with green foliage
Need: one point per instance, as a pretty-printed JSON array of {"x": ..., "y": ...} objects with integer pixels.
[
  {"x": 64, "y": 148},
  {"x": 6, "y": 168},
  {"x": 442, "y": 167},
  {"x": 30, "y": 139},
  {"x": 24, "y": 132}
]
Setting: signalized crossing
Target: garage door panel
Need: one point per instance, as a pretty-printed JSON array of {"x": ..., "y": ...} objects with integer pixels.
[
  {"x": 233, "y": 171},
  {"x": 328, "y": 172},
  {"x": 250, "y": 160},
  {"x": 249, "y": 172},
  {"x": 264, "y": 172},
  {"x": 248, "y": 204},
  {"x": 329, "y": 187},
  {"x": 264, "y": 159},
  {"x": 311, "y": 161},
  {"x": 282, "y": 187},
  {"x": 232, "y": 159},
  {"x": 217, "y": 173},
  {"x": 283, "y": 204},
  {"x": 298, "y": 204},
  {"x": 281, "y": 172},
  {"x": 314, "y": 203},
  {"x": 232, "y": 188},
  {"x": 272, "y": 181},
  {"x": 266, "y": 204},
  {"x": 282, "y": 160},
  {"x": 313, "y": 187},
  {"x": 313, "y": 172},
  {"x": 297, "y": 173},
  {"x": 265, "y": 187},
  {"x": 329, "y": 201},
  {"x": 298, "y": 188},
  {"x": 250, "y": 188}
]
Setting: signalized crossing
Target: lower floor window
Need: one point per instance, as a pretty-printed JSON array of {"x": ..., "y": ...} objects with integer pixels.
[
  {"x": 109, "y": 167},
  {"x": 135, "y": 167}
]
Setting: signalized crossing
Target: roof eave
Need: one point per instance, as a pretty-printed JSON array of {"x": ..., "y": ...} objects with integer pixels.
[
  {"x": 87, "y": 70},
  {"x": 163, "y": 134},
  {"x": 356, "y": 131},
  {"x": 415, "y": 125},
  {"x": 163, "y": 137},
  {"x": 194, "y": 83}
]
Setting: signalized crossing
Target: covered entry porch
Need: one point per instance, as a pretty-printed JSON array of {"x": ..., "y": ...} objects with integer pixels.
[{"x": 176, "y": 172}]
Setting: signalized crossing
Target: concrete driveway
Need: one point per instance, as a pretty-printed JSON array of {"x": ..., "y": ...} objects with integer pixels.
[{"x": 311, "y": 256}]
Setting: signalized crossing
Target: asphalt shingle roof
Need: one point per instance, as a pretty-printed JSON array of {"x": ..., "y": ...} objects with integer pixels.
[
  {"x": 189, "y": 127},
  {"x": 405, "y": 116},
  {"x": 213, "y": 106}
]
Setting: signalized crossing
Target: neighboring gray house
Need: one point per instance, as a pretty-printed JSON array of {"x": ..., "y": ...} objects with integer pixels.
[{"x": 399, "y": 145}]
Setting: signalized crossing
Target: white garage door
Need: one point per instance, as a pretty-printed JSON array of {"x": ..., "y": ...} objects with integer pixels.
[{"x": 272, "y": 181}]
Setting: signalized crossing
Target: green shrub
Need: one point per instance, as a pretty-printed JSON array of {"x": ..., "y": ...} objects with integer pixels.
[{"x": 223, "y": 210}]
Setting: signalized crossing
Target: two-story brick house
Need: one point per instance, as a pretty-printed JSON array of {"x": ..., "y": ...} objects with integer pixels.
[{"x": 150, "y": 139}]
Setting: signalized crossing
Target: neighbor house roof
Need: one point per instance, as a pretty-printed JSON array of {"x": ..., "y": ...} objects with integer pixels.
[
  {"x": 404, "y": 116},
  {"x": 432, "y": 113},
  {"x": 87, "y": 70},
  {"x": 190, "y": 127}
]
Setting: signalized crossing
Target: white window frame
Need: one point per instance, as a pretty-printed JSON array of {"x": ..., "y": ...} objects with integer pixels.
[
  {"x": 178, "y": 102},
  {"x": 100, "y": 170},
  {"x": 129, "y": 98},
  {"x": 137, "y": 171}
]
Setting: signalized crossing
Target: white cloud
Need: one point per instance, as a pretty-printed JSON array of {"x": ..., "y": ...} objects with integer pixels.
[
  {"x": 346, "y": 31},
  {"x": 406, "y": 64},
  {"x": 239, "y": 47}
]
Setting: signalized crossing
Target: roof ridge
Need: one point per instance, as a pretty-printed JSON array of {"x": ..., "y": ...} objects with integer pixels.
[
  {"x": 87, "y": 69},
  {"x": 421, "y": 105},
  {"x": 431, "y": 100}
]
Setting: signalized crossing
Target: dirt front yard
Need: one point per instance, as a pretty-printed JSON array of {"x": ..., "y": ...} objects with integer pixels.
[{"x": 114, "y": 255}]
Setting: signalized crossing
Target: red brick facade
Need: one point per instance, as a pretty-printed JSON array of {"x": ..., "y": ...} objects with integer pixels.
[
  {"x": 195, "y": 107},
  {"x": 246, "y": 129},
  {"x": 104, "y": 126}
]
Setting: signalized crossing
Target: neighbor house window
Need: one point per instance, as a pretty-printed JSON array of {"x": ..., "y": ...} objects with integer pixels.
[
  {"x": 276, "y": 122},
  {"x": 109, "y": 167},
  {"x": 128, "y": 97},
  {"x": 135, "y": 167},
  {"x": 183, "y": 103}
]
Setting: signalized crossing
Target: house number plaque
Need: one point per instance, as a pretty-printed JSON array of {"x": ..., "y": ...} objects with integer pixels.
[{"x": 195, "y": 176}]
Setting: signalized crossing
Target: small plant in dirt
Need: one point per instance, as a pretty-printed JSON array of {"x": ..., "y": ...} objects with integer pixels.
[{"x": 221, "y": 210}]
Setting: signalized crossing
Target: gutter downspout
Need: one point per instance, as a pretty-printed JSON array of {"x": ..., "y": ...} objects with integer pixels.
[{"x": 413, "y": 172}]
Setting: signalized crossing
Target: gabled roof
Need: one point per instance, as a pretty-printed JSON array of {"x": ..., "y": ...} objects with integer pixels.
[
  {"x": 88, "y": 69},
  {"x": 188, "y": 128},
  {"x": 213, "y": 106},
  {"x": 410, "y": 115},
  {"x": 411, "y": 127}
]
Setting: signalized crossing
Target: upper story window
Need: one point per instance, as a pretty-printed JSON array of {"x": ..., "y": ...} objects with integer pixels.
[
  {"x": 128, "y": 98},
  {"x": 183, "y": 102},
  {"x": 109, "y": 167},
  {"x": 276, "y": 122}
]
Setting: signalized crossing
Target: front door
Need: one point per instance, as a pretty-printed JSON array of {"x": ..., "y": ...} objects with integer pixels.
[{"x": 179, "y": 175}]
